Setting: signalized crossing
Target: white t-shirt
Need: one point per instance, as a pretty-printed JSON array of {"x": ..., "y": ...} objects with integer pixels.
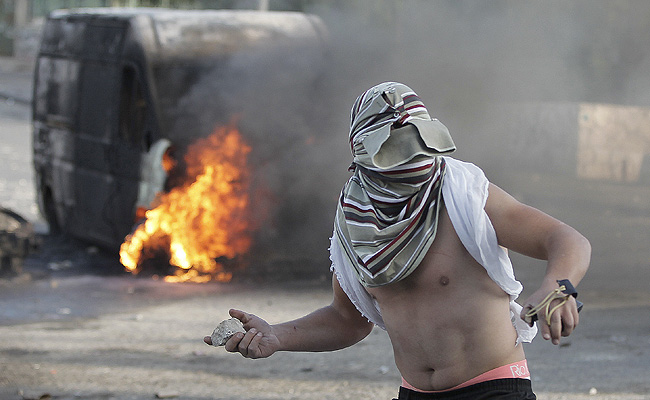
[{"x": 465, "y": 191}]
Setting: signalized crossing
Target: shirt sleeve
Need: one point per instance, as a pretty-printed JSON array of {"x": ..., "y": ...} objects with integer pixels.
[
  {"x": 350, "y": 284},
  {"x": 465, "y": 191}
]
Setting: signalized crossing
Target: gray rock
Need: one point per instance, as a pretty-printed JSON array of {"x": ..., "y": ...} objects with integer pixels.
[{"x": 225, "y": 330}]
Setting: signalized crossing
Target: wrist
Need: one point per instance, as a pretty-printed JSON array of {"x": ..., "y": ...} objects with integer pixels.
[
  {"x": 284, "y": 336},
  {"x": 549, "y": 283},
  {"x": 570, "y": 290}
]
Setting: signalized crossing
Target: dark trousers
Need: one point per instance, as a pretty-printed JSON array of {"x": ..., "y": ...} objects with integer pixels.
[{"x": 498, "y": 389}]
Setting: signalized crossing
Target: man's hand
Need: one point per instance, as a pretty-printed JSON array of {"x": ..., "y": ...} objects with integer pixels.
[
  {"x": 259, "y": 341},
  {"x": 563, "y": 321}
]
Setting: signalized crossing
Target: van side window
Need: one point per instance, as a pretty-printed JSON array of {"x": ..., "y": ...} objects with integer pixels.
[
  {"x": 132, "y": 108},
  {"x": 56, "y": 90}
]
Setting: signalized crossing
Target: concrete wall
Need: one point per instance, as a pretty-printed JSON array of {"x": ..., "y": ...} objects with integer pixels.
[
  {"x": 613, "y": 143},
  {"x": 585, "y": 140}
]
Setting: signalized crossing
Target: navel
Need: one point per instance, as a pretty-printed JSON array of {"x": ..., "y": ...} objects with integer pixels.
[{"x": 444, "y": 281}]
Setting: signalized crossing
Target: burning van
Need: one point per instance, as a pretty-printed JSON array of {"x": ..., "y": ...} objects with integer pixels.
[{"x": 126, "y": 100}]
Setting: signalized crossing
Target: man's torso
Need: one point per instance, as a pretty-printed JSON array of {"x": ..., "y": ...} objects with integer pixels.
[{"x": 448, "y": 321}]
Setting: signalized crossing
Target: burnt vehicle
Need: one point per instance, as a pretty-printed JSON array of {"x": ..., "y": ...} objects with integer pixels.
[{"x": 116, "y": 89}]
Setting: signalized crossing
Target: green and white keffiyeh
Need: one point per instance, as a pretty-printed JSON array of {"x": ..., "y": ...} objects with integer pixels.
[{"x": 387, "y": 213}]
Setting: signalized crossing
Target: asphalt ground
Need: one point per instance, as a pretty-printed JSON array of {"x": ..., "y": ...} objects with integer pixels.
[{"x": 84, "y": 336}]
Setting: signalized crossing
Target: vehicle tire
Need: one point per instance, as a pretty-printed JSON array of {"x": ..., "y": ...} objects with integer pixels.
[{"x": 49, "y": 211}]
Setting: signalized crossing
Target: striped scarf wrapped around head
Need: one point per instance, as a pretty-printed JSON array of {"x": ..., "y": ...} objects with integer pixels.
[{"x": 387, "y": 214}]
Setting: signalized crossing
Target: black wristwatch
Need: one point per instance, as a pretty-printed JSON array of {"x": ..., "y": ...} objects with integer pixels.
[{"x": 570, "y": 290}]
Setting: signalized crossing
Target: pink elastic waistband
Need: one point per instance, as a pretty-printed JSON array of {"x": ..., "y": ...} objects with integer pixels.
[{"x": 517, "y": 369}]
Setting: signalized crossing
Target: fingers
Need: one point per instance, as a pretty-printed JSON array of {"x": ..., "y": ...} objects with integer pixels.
[
  {"x": 576, "y": 316},
  {"x": 240, "y": 315},
  {"x": 246, "y": 344},
  {"x": 570, "y": 318},
  {"x": 524, "y": 311},
  {"x": 258, "y": 340},
  {"x": 567, "y": 325},
  {"x": 563, "y": 322},
  {"x": 244, "y": 317},
  {"x": 556, "y": 327},
  {"x": 544, "y": 328},
  {"x": 255, "y": 346},
  {"x": 250, "y": 344},
  {"x": 233, "y": 343}
]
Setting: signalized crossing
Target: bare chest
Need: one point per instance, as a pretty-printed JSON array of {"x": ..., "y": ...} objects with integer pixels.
[{"x": 448, "y": 317}]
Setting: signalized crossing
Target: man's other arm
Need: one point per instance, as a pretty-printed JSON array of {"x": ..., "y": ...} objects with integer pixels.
[
  {"x": 332, "y": 327},
  {"x": 531, "y": 232}
]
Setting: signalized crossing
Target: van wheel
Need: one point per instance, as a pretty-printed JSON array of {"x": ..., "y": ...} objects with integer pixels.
[{"x": 50, "y": 213}]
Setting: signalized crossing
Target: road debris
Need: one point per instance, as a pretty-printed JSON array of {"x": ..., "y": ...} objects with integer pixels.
[{"x": 17, "y": 241}]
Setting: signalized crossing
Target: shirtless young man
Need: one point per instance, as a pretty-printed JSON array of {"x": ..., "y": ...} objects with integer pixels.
[{"x": 429, "y": 270}]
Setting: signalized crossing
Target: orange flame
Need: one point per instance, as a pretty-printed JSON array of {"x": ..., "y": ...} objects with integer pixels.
[{"x": 202, "y": 220}]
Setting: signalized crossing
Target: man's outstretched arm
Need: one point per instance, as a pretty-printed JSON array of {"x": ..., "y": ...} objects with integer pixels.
[
  {"x": 533, "y": 233},
  {"x": 332, "y": 327}
]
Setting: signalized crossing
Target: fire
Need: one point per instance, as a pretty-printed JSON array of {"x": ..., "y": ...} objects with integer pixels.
[{"x": 204, "y": 219}]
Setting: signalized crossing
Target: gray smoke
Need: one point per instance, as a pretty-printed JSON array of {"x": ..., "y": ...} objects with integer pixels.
[
  {"x": 468, "y": 60},
  {"x": 507, "y": 78}
]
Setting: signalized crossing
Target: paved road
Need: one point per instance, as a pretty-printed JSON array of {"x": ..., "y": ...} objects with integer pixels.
[{"x": 103, "y": 337}]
